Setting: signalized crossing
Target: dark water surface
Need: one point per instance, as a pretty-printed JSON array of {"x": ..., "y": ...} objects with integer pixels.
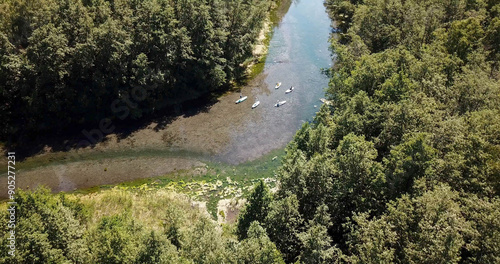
[{"x": 297, "y": 52}]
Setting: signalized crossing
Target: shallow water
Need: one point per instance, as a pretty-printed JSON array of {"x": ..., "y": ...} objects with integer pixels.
[
  {"x": 226, "y": 132},
  {"x": 297, "y": 52}
]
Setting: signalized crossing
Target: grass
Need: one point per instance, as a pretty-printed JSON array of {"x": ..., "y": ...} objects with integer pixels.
[
  {"x": 211, "y": 183},
  {"x": 219, "y": 180},
  {"x": 151, "y": 208}
]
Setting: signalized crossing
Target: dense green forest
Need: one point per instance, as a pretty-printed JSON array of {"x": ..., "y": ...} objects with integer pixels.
[
  {"x": 65, "y": 62},
  {"x": 402, "y": 167},
  {"x": 121, "y": 226}
]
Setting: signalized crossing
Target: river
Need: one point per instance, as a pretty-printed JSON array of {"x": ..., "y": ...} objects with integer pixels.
[
  {"x": 298, "y": 51},
  {"x": 224, "y": 132}
]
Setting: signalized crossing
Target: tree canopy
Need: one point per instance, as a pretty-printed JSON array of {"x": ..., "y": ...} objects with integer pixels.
[
  {"x": 123, "y": 226},
  {"x": 65, "y": 63},
  {"x": 403, "y": 165}
]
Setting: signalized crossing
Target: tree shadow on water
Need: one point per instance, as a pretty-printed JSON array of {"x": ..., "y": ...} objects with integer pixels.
[{"x": 90, "y": 134}]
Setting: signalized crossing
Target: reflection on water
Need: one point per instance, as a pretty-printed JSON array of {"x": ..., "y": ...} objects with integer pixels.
[{"x": 297, "y": 52}]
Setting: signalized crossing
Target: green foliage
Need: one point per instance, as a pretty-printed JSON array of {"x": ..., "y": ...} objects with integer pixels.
[
  {"x": 157, "y": 227},
  {"x": 283, "y": 224},
  {"x": 426, "y": 229},
  {"x": 404, "y": 162},
  {"x": 112, "y": 241},
  {"x": 409, "y": 161},
  {"x": 157, "y": 249},
  {"x": 402, "y": 167},
  {"x": 484, "y": 218},
  {"x": 255, "y": 210},
  {"x": 257, "y": 248},
  {"x": 463, "y": 37},
  {"x": 317, "y": 243},
  {"x": 204, "y": 244},
  {"x": 47, "y": 231},
  {"x": 66, "y": 63}
]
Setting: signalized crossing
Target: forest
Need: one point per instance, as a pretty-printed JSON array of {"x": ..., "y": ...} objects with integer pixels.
[
  {"x": 66, "y": 63},
  {"x": 402, "y": 167}
]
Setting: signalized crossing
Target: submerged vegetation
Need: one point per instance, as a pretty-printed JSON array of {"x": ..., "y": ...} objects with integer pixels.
[
  {"x": 402, "y": 166},
  {"x": 210, "y": 183}
]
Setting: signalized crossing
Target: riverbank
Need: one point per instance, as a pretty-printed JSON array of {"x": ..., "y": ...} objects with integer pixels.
[
  {"x": 155, "y": 151},
  {"x": 144, "y": 140},
  {"x": 225, "y": 133},
  {"x": 255, "y": 65},
  {"x": 213, "y": 186}
]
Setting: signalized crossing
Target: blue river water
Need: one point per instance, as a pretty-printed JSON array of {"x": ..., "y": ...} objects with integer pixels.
[{"x": 298, "y": 50}]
